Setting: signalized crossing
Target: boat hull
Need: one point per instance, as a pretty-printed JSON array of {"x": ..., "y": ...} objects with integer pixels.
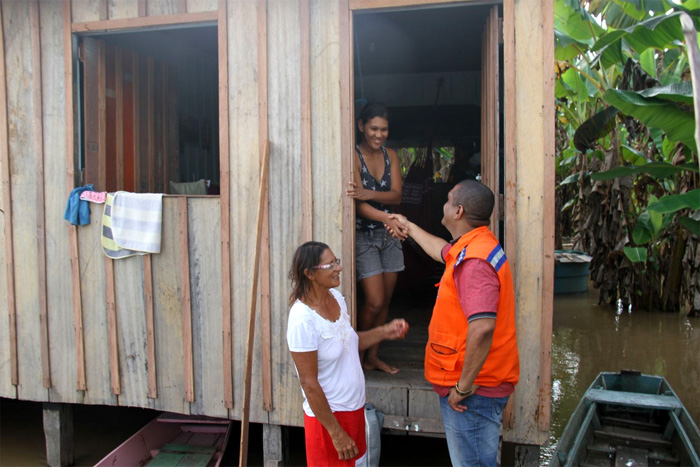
[{"x": 628, "y": 418}]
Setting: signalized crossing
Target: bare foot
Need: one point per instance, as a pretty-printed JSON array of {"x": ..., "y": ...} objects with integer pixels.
[{"x": 376, "y": 364}]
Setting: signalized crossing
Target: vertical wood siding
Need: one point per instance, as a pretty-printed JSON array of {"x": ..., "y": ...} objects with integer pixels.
[
  {"x": 532, "y": 69},
  {"x": 59, "y": 283},
  {"x": 245, "y": 179},
  {"x": 131, "y": 332},
  {"x": 8, "y": 346},
  {"x": 168, "y": 317},
  {"x": 16, "y": 18},
  {"x": 285, "y": 184},
  {"x": 205, "y": 277}
]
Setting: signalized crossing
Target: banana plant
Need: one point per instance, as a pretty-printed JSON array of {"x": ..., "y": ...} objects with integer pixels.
[{"x": 627, "y": 181}]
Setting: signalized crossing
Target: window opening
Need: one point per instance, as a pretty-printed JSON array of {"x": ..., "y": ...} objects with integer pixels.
[{"x": 149, "y": 110}]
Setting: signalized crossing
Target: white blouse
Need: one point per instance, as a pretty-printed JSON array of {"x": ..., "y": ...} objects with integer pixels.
[{"x": 339, "y": 370}]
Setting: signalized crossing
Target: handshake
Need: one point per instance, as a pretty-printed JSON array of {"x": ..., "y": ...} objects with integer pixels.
[{"x": 397, "y": 226}]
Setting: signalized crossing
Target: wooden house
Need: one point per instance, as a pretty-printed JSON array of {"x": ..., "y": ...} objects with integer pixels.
[{"x": 133, "y": 94}]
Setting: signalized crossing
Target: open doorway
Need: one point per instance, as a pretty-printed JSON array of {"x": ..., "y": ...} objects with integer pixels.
[
  {"x": 149, "y": 110},
  {"x": 438, "y": 69}
]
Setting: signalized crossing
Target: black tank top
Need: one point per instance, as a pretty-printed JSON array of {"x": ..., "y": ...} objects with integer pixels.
[{"x": 363, "y": 224}]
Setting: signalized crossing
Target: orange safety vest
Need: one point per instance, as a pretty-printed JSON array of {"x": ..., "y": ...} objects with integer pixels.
[{"x": 445, "y": 352}]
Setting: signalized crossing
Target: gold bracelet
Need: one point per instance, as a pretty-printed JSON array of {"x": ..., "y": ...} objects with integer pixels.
[{"x": 463, "y": 393}]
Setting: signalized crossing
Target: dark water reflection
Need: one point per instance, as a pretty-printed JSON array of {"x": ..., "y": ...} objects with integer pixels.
[{"x": 589, "y": 339}]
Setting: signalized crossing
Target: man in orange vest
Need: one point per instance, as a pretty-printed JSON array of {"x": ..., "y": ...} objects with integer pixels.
[{"x": 472, "y": 356}]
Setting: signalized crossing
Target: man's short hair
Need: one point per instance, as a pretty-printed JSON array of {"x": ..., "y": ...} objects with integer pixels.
[{"x": 477, "y": 200}]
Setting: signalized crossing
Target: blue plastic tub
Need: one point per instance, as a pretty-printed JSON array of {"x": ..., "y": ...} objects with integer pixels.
[{"x": 570, "y": 277}]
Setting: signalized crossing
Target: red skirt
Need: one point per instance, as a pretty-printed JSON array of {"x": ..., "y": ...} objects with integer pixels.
[{"x": 320, "y": 450}]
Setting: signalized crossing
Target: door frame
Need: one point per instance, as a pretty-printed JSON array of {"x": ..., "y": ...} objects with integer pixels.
[{"x": 507, "y": 205}]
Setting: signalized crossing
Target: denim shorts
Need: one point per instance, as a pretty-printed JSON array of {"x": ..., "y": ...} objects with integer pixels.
[{"x": 377, "y": 252}]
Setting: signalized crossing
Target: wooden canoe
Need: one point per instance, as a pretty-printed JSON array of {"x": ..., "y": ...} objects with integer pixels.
[
  {"x": 173, "y": 439},
  {"x": 629, "y": 419}
]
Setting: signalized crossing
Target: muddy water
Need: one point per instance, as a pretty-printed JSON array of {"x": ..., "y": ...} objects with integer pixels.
[{"x": 589, "y": 339}]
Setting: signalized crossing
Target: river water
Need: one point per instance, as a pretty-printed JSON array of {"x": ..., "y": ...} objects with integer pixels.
[{"x": 587, "y": 339}]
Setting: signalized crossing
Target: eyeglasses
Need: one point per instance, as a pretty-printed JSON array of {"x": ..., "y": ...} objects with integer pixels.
[{"x": 332, "y": 265}]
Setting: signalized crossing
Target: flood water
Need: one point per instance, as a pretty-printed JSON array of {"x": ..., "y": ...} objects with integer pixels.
[{"x": 587, "y": 339}]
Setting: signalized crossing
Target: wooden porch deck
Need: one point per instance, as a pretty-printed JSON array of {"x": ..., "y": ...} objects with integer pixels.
[{"x": 406, "y": 399}]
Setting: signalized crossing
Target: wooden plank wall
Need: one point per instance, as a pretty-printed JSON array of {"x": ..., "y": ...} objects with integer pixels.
[
  {"x": 59, "y": 284},
  {"x": 8, "y": 363},
  {"x": 205, "y": 277},
  {"x": 533, "y": 135},
  {"x": 284, "y": 38},
  {"x": 326, "y": 188},
  {"x": 23, "y": 162},
  {"x": 244, "y": 182}
]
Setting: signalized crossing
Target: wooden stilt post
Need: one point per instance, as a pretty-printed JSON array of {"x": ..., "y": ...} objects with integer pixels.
[
  {"x": 58, "y": 430},
  {"x": 275, "y": 445},
  {"x": 527, "y": 455}
]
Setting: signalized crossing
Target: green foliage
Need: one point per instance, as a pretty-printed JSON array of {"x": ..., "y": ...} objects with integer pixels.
[
  {"x": 663, "y": 114},
  {"x": 655, "y": 169},
  {"x": 636, "y": 255},
  {"x": 626, "y": 145}
]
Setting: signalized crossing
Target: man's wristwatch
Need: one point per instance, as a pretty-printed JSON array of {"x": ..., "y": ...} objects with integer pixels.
[{"x": 466, "y": 393}]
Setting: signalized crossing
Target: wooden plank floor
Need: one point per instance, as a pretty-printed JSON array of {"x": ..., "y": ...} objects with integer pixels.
[{"x": 406, "y": 399}]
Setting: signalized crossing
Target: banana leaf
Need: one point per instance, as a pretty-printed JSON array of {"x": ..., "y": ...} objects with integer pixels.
[
  {"x": 655, "y": 169},
  {"x": 636, "y": 255},
  {"x": 657, "y": 113},
  {"x": 673, "y": 203},
  {"x": 594, "y": 128},
  {"x": 676, "y": 92},
  {"x": 576, "y": 23},
  {"x": 658, "y": 31},
  {"x": 566, "y": 48},
  {"x": 692, "y": 225}
]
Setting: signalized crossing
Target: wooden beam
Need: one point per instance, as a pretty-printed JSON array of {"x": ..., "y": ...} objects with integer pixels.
[
  {"x": 101, "y": 116},
  {"x": 102, "y": 9},
  {"x": 347, "y": 140},
  {"x": 119, "y": 96},
  {"x": 112, "y": 326},
  {"x": 164, "y": 124},
  {"x": 510, "y": 164},
  {"x": 225, "y": 199},
  {"x": 37, "y": 116},
  {"x": 150, "y": 65},
  {"x": 262, "y": 196},
  {"x": 7, "y": 201},
  {"x": 307, "y": 214},
  {"x": 186, "y": 302},
  {"x": 70, "y": 183},
  {"x": 136, "y": 96},
  {"x": 265, "y": 313},
  {"x": 375, "y": 4},
  {"x": 549, "y": 181},
  {"x": 510, "y": 175},
  {"x": 150, "y": 326},
  {"x": 494, "y": 120},
  {"x": 145, "y": 21}
]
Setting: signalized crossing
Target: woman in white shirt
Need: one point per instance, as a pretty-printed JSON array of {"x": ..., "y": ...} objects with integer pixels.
[{"x": 325, "y": 350}]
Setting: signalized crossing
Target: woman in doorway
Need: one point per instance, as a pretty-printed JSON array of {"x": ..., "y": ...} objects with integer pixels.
[
  {"x": 376, "y": 185},
  {"x": 324, "y": 348}
]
